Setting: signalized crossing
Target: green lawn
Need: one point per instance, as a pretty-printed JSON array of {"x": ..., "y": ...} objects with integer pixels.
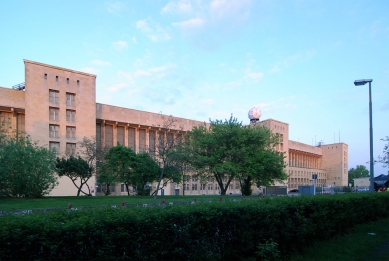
[
  {"x": 10, "y": 204},
  {"x": 358, "y": 245}
]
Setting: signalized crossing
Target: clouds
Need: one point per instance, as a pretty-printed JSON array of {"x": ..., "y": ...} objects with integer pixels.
[
  {"x": 119, "y": 46},
  {"x": 153, "y": 30},
  {"x": 115, "y": 7},
  {"x": 177, "y": 7}
]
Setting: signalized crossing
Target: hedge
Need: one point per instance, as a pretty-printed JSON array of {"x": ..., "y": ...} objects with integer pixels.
[{"x": 205, "y": 231}]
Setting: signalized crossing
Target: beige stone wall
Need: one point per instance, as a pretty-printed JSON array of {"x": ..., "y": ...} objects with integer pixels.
[
  {"x": 10, "y": 98},
  {"x": 335, "y": 161},
  {"x": 362, "y": 182},
  {"x": 40, "y": 80}
]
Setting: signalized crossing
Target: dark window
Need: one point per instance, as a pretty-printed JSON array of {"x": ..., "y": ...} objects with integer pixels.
[
  {"x": 142, "y": 140},
  {"x": 108, "y": 135},
  {"x": 120, "y": 135},
  {"x": 131, "y": 138}
]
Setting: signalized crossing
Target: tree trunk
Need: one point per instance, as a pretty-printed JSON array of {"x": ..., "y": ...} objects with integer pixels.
[
  {"x": 159, "y": 183},
  {"x": 128, "y": 192}
]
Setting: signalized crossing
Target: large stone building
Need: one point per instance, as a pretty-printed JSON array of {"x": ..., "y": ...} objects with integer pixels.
[{"x": 57, "y": 107}]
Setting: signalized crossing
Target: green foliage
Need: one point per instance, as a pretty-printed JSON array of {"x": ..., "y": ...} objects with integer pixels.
[
  {"x": 116, "y": 167},
  {"x": 384, "y": 159},
  {"x": 26, "y": 169},
  {"x": 246, "y": 186},
  {"x": 75, "y": 169},
  {"x": 359, "y": 172},
  {"x": 227, "y": 150},
  {"x": 268, "y": 251},
  {"x": 144, "y": 171},
  {"x": 268, "y": 228}
]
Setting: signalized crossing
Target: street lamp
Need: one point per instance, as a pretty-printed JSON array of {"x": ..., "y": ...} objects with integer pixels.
[{"x": 363, "y": 82}]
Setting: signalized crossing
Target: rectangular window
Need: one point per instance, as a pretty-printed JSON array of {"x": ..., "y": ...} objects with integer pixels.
[
  {"x": 45, "y": 76},
  {"x": 142, "y": 140},
  {"x": 67, "y": 80},
  {"x": 54, "y": 131},
  {"x": 70, "y": 132},
  {"x": 108, "y": 135},
  {"x": 54, "y": 146},
  {"x": 98, "y": 136},
  {"x": 70, "y": 116},
  {"x": 78, "y": 82},
  {"x": 152, "y": 142},
  {"x": 70, "y": 149},
  {"x": 170, "y": 139},
  {"x": 120, "y": 135},
  {"x": 6, "y": 121},
  {"x": 21, "y": 119},
  {"x": 123, "y": 188},
  {"x": 161, "y": 140},
  {"x": 131, "y": 138},
  {"x": 70, "y": 99},
  {"x": 194, "y": 186},
  {"x": 53, "y": 96},
  {"x": 54, "y": 114},
  {"x": 56, "y": 78}
]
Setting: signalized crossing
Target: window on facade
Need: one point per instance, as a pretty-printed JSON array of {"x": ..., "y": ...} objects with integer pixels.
[
  {"x": 152, "y": 142},
  {"x": 70, "y": 132},
  {"x": 53, "y": 96},
  {"x": 120, "y": 135},
  {"x": 161, "y": 140},
  {"x": 78, "y": 82},
  {"x": 54, "y": 146},
  {"x": 70, "y": 148},
  {"x": 70, "y": 99},
  {"x": 194, "y": 186},
  {"x": 67, "y": 80},
  {"x": 54, "y": 114},
  {"x": 70, "y": 116},
  {"x": 21, "y": 124},
  {"x": 142, "y": 140},
  {"x": 123, "y": 188},
  {"x": 170, "y": 139},
  {"x": 108, "y": 135},
  {"x": 6, "y": 121},
  {"x": 131, "y": 138},
  {"x": 98, "y": 135},
  {"x": 45, "y": 76},
  {"x": 56, "y": 78},
  {"x": 54, "y": 131},
  {"x": 209, "y": 186}
]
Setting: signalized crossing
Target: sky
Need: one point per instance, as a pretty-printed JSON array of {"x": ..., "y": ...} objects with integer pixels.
[{"x": 296, "y": 60}]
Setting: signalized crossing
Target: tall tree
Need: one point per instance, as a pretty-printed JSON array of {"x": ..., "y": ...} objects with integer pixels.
[
  {"x": 76, "y": 169},
  {"x": 116, "y": 167},
  {"x": 144, "y": 171},
  {"x": 359, "y": 172},
  {"x": 228, "y": 150},
  {"x": 384, "y": 159},
  {"x": 26, "y": 169},
  {"x": 161, "y": 152}
]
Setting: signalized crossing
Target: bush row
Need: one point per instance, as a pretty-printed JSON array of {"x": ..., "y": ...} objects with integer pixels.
[{"x": 216, "y": 231}]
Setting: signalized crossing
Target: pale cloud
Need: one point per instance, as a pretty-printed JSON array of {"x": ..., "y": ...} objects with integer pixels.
[
  {"x": 239, "y": 10},
  {"x": 119, "y": 46},
  {"x": 255, "y": 76},
  {"x": 126, "y": 75},
  {"x": 115, "y": 8},
  {"x": 134, "y": 40},
  {"x": 154, "y": 31},
  {"x": 90, "y": 70},
  {"x": 141, "y": 73},
  {"x": 234, "y": 84},
  {"x": 190, "y": 24},
  {"x": 117, "y": 87},
  {"x": 101, "y": 63},
  {"x": 183, "y": 6},
  {"x": 282, "y": 103},
  {"x": 208, "y": 101},
  {"x": 296, "y": 58}
]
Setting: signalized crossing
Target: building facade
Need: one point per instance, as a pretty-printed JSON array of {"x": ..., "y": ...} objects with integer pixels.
[{"x": 57, "y": 107}]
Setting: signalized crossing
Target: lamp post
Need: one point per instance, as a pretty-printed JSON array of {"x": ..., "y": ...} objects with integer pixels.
[{"x": 363, "y": 82}]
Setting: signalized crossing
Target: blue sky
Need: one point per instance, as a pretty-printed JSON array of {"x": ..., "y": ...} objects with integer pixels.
[{"x": 295, "y": 60}]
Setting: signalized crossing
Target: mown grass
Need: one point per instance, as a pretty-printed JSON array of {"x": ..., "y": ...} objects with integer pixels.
[
  {"x": 10, "y": 204},
  {"x": 357, "y": 245}
]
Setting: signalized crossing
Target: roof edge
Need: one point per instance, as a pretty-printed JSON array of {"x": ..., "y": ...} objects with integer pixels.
[{"x": 59, "y": 68}]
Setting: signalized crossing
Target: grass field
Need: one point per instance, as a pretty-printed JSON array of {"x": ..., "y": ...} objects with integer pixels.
[
  {"x": 10, "y": 204},
  {"x": 364, "y": 242}
]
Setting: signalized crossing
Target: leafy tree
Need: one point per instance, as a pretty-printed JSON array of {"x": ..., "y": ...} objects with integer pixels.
[
  {"x": 246, "y": 186},
  {"x": 227, "y": 150},
  {"x": 144, "y": 171},
  {"x": 26, "y": 169},
  {"x": 161, "y": 153},
  {"x": 385, "y": 158},
  {"x": 116, "y": 167},
  {"x": 75, "y": 169},
  {"x": 359, "y": 172}
]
